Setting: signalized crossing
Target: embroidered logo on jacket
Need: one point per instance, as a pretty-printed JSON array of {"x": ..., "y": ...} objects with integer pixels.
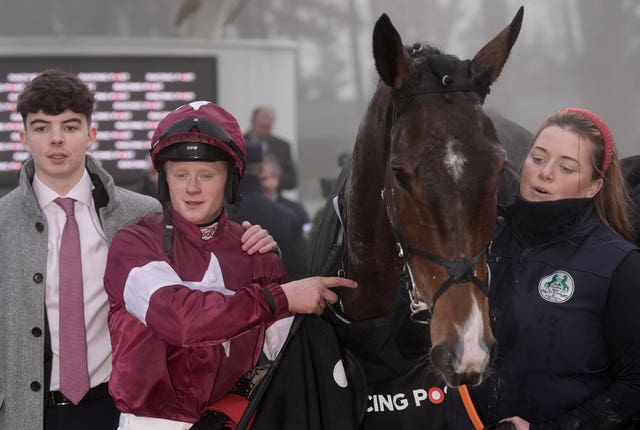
[{"x": 557, "y": 287}]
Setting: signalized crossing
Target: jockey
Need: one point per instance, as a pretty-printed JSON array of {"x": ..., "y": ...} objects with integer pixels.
[{"x": 191, "y": 312}]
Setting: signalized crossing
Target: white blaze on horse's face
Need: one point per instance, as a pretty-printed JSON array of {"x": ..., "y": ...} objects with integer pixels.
[
  {"x": 454, "y": 160},
  {"x": 475, "y": 356}
]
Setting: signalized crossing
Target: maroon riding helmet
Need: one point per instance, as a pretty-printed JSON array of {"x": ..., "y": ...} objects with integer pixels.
[{"x": 199, "y": 131}]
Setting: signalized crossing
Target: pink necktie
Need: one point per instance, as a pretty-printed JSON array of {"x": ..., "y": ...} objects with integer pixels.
[{"x": 74, "y": 375}]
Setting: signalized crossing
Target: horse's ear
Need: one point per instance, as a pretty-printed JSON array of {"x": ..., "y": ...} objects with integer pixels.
[
  {"x": 392, "y": 60},
  {"x": 488, "y": 62}
]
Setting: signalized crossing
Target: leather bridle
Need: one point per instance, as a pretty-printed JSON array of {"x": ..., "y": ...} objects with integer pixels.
[{"x": 460, "y": 270}]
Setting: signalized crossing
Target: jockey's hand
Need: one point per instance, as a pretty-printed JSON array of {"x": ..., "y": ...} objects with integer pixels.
[
  {"x": 256, "y": 239},
  {"x": 308, "y": 296}
]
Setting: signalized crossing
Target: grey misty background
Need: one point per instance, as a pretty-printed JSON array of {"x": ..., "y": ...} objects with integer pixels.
[{"x": 570, "y": 53}]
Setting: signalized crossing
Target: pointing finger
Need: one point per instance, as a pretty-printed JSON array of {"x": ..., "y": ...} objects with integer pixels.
[{"x": 336, "y": 281}]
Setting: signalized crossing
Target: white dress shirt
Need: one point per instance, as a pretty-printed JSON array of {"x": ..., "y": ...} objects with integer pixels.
[{"x": 93, "y": 247}]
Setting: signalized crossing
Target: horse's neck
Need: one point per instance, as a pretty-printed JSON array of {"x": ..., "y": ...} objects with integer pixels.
[
  {"x": 370, "y": 153},
  {"x": 372, "y": 259}
]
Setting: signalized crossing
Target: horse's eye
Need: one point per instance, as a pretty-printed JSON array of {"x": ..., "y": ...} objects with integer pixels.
[{"x": 401, "y": 177}]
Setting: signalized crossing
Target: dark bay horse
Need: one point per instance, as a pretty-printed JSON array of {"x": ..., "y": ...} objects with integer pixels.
[{"x": 422, "y": 195}]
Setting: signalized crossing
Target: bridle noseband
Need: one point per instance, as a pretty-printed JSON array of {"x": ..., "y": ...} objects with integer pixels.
[{"x": 460, "y": 270}]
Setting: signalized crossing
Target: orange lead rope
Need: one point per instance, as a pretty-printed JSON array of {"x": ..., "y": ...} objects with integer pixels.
[{"x": 470, "y": 408}]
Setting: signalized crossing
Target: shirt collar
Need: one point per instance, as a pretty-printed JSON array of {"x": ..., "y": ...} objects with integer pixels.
[{"x": 81, "y": 192}]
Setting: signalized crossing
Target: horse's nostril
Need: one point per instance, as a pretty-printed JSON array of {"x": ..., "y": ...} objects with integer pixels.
[
  {"x": 473, "y": 379},
  {"x": 441, "y": 357}
]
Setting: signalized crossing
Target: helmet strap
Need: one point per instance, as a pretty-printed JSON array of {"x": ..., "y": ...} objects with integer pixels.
[
  {"x": 168, "y": 230},
  {"x": 163, "y": 187},
  {"x": 231, "y": 188},
  {"x": 164, "y": 197}
]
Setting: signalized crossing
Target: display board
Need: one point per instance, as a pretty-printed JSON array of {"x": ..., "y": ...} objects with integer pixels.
[{"x": 132, "y": 94}]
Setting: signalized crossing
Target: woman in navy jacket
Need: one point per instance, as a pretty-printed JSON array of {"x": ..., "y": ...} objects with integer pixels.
[{"x": 565, "y": 289}]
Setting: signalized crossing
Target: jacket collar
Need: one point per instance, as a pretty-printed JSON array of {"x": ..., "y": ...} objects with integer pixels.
[
  {"x": 192, "y": 231},
  {"x": 543, "y": 222},
  {"x": 103, "y": 192}
]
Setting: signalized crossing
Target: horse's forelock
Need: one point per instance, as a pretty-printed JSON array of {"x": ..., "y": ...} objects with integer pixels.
[
  {"x": 429, "y": 58},
  {"x": 420, "y": 51}
]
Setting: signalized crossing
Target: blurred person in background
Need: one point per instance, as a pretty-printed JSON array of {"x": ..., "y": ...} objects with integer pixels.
[
  {"x": 631, "y": 172},
  {"x": 270, "y": 180},
  {"x": 283, "y": 224},
  {"x": 262, "y": 120}
]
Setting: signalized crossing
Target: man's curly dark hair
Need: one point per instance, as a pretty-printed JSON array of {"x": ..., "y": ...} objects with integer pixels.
[{"x": 54, "y": 91}]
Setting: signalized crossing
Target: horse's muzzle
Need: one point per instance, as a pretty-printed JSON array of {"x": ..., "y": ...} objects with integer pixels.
[{"x": 448, "y": 362}]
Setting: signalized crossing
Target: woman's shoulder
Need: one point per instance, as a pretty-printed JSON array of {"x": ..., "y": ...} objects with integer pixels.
[{"x": 604, "y": 236}]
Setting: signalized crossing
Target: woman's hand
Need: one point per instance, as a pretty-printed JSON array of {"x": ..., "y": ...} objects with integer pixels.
[{"x": 517, "y": 423}]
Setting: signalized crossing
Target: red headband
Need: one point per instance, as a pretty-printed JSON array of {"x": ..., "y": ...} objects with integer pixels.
[{"x": 604, "y": 132}]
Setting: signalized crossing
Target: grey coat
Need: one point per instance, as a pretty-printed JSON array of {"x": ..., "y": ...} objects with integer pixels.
[{"x": 23, "y": 262}]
